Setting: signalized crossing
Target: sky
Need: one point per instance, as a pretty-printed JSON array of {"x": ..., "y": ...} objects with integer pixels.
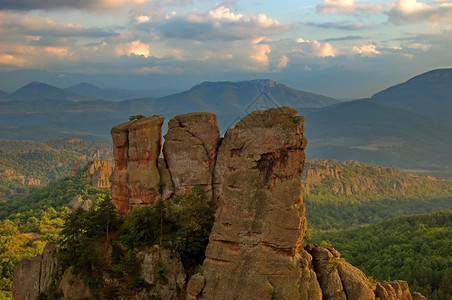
[{"x": 339, "y": 48}]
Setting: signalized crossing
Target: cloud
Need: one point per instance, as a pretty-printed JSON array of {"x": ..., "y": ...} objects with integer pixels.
[
  {"x": 345, "y": 6},
  {"x": 133, "y": 48},
  {"x": 282, "y": 62},
  {"x": 414, "y": 11},
  {"x": 342, "y": 25},
  {"x": 344, "y": 38},
  {"x": 366, "y": 50},
  {"x": 17, "y": 25},
  {"x": 25, "y": 5},
  {"x": 219, "y": 23}
]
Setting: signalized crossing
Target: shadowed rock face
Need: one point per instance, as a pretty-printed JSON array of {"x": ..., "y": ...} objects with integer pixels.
[{"x": 260, "y": 221}]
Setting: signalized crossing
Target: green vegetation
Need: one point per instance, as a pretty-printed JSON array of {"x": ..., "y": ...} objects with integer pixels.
[
  {"x": 136, "y": 117},
  {"x": 353, "y": 194},
  {"x": 27, "y": 223},
  {"x": 412, "y": 248},
  {"x": 45, "y": 162},
  {"x": 182, "y": 223}
]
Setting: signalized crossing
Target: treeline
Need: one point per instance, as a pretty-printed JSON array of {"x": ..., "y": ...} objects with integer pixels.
[{"x": 417, "y": 249}]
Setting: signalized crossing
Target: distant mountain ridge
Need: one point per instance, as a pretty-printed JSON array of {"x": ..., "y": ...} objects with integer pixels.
[
  {"x": 406, "y": 126},
  {"x": 39, "y": 91}
]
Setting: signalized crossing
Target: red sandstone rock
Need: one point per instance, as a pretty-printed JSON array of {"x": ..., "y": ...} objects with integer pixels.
[
  {"x": 136, "y": 148},
  {"x": 261, "y": 220},
  {"x": 190, "y": 150}
]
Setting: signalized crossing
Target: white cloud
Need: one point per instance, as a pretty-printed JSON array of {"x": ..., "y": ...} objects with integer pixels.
[
  {"x": 282, "y": 62},
  {"x": 323, "y": 49},
  {"x": 345, "y": 6},
  {"x": 414, "y": 11},
  {"x": 133, "y": 48},
  {"x": 219, "y": 23},
  {"x": 366, "y": 50}
]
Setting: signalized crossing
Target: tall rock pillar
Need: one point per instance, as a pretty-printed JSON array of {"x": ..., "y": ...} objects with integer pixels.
[
  {"x": 190, "y": 150},
  {"x": 255, "y": 244},
  {"x": 136, "y": 148}
]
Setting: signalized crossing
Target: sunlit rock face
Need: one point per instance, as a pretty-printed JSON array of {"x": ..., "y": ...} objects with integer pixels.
[{"x": 260, "y": 222}]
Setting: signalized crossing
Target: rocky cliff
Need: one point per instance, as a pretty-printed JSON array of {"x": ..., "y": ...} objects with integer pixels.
[{"x": 253, "y": 175}]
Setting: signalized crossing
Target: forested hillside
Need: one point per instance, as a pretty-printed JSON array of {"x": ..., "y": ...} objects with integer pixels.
[
  {"x": 27, "y": 223},
  {"x": 26, "y": 166},
  {"x": 341, "y": 195},
  {"x": 412, "y": 248}
]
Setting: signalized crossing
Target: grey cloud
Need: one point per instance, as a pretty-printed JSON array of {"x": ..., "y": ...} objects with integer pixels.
[
  {"x": 399, "y": 14},
  {"x": 50, "y": 4},
  {"x": 342, "y": 25},
  {"x": 213, "y": 29},
  {"x": 344, "y": 38}
]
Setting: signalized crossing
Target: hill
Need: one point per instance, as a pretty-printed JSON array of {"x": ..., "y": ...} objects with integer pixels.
[
  {"x": 342, "y": 195},
  {"x": 428, "y": 94},
  {"x": 412, "y": 248},
  {"x": 26, "y": 166},
  {"x": 92, "y": 119},
  {"x": 38, "y": 91},
  {"x": 365, "y": 131}
]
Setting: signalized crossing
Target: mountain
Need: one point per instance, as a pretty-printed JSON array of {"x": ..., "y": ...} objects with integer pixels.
[
  {"x": 116, "y": 94},
  {"x": 229, "y": 100},
  {"x": 37, "y": 91},
  {"x": 428, "y": 94},
  {"x": 406, "y": 126},
  {"x": 3, "y": 94},
  {"x": 94, "y": 118}
]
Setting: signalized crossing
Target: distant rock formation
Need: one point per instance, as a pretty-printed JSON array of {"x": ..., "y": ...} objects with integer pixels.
[
  {"x": 78, "y": 201},
  {"x": 99, "y": 173}
]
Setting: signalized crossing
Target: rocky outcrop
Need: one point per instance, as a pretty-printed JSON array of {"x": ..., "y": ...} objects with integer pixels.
[
  {"x": 78, "y": 201},
  {"x": 75, "y": 168},
  {"x": 33, "y": 276},
  {"x": 260, "y": 221},
  {"x": 255, "y": 248},
  {"x": 339, "y": 279},
  {"x": 99, "y": 172},
  {"x": 163, "y": 270},
  {"x": 136, "y": 148},
  {"x": 190, "y": 151}
]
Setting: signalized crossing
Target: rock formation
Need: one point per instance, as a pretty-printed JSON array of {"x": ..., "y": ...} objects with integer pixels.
[
  {"x": 255, "y": 247},
  {"x": 190, "y": 150},
  {"x": 33, "y": 276},
  {"x": 78, "y": 201},
  {"x": 99, "y": 173},
  {"x": 136, "y": 148},
  {"x": 261, "y": 220}
]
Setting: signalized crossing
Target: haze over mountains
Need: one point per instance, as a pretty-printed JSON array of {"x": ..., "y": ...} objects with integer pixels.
[{"x": 406, "y": 126}]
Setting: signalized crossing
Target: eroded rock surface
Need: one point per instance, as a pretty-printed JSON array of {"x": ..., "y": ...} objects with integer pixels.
[
  {"x": 261, "y": 220},
  {"x": 190, "y": 151},
  {"x": 33, "y": 276},
  {"x": 136, "y": 148}
]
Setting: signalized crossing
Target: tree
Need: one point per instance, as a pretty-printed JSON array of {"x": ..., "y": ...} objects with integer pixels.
[{"x": 136, "y": 117}]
